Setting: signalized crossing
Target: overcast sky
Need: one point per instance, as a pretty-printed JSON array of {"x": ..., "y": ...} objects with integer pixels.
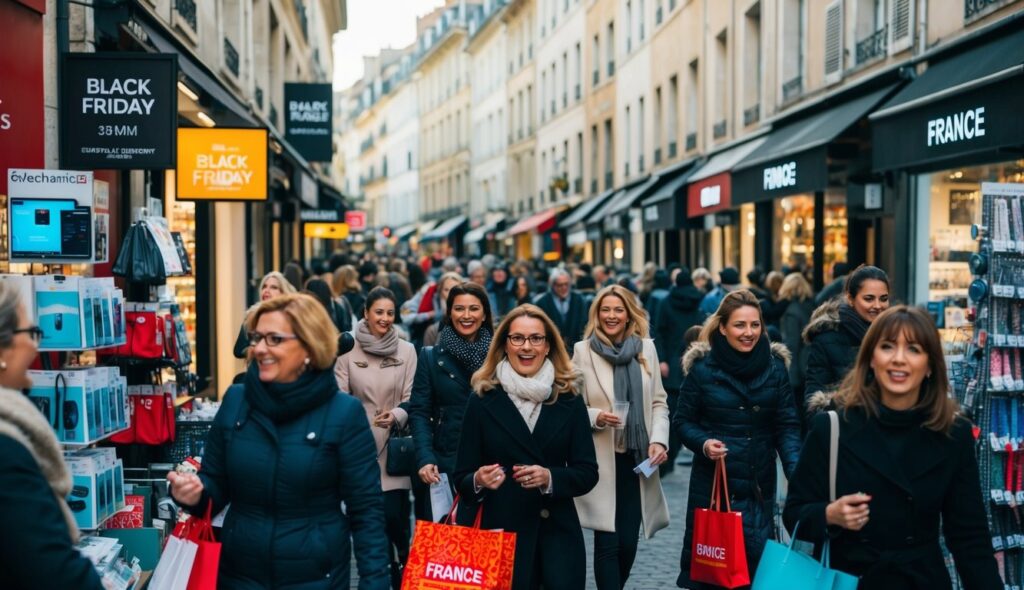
[{"x": 372, "y": 25}]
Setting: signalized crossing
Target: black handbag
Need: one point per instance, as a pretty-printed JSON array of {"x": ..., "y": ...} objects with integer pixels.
[
  {"x": 139, "y": 258},
  {"x": 401, "y": 459}
]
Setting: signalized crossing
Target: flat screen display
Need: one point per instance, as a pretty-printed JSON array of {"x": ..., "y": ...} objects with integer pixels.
[{"x": 46, "y": 229}]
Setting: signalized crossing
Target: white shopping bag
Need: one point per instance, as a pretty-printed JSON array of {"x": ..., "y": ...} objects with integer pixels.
[
  {"x": 440, "y": 498},
  {"x": 175, "y": 566}
]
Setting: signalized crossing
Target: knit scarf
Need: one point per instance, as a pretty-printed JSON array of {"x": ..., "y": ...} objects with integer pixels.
[
  {"x": 284, "y": 402},
  {"x": 629, "y": 387},
  {"x": 385, "y": 346},
  {"x": 470, "y": 355},
  {"x": 21, "y": 420},
  {"x": 527, "y": 393},
  {"x": 743, "y": 365},
  {"x": 850, "y": 321}
]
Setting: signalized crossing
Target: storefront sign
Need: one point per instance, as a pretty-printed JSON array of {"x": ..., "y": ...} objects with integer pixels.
[
  {"x": 709, "y": 195},
  {"x": 308, "y": 126},
  {"x": 872, "y": 196},
  {"x": 51, "y": 184},
  {"x": 957, "y": 127},
  {"x": 326, "y": 231},
  {"x": 802, "y": 172},
  {"x": 781, "y": 176},
  {"x": 222, "y": 164},
  {"x": 356, "y": 220},
  {"x": 328, "y": 215},
  {"x": 118, "y": 110},
  {"x": 21, "y": 88},
  {"x": 309, "y": 192},
  {"x": 651, "y": 213}
]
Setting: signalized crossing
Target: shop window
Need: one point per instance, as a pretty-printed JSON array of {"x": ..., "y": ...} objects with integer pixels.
[{"x": 794, "y": 232}]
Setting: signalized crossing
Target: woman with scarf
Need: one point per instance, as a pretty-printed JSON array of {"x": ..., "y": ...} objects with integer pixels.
[
  {"x": 286, "y": 450},
  {"x": 37, "y": 551},
  {"x": 526, "y": 451},
  {"x": 620, "y": 366},
  {"x": 379, "y": 371},
  {"x": 736, "y": 405},
  {"x": 442, "y": 384},
  {"x": 837, "y": 328}
]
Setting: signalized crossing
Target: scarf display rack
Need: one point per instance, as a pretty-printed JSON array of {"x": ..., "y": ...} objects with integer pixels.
[{"x": 989, "y": 381}]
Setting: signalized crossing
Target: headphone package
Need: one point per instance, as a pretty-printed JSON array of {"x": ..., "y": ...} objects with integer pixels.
[
  {"x": 97, "y": 485},
  {"x": 74, "y": 312},
  {"x": 82, "y": 405}
]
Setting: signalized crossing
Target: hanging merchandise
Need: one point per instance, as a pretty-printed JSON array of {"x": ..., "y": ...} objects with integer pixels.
[{"x": 149, "y": 253}]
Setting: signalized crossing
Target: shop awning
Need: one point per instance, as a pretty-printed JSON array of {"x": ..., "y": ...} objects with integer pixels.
[
  {"x": 630, "y": 197},
  {"x": 665, "y": 208},
  {"x": 710, "y": 186},
  {"x": 477, "y": 234},
  {"x": 966, "y": 104},
  {"x": 445, "y": 229},
  {"x": 584, "y": 209},
  {"x": 794, "y": 157},
  {"x": 404, "y": 232},
  {"x": 539, "y": 222},
  {"x": 620, "y": 196},
  {"x": 576, "y": 238}
]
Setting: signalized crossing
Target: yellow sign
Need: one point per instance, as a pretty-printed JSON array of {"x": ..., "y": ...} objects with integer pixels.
[
  {"x": 326, "y": 231},
  {"x": 222, "y": 164}
]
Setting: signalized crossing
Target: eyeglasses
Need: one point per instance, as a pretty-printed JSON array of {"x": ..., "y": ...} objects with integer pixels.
[
  {"x": 271, "y": 339},
  {"x": 34, "y": 332},
  {"x": 519, "y": 339}
]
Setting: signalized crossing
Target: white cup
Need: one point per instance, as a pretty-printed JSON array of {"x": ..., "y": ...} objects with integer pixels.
[{"x": 621, "y": 410}]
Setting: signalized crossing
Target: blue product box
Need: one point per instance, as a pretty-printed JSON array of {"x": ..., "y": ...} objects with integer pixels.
[
  {"x": 59, "y": 312},
  {"x": 44, "y": 395},
  {"x": 117, "y": 317},
  {"x": 88, "y": 318},
  {"x": 84, "y": 500},
  {"x": 67, "y": 395}
]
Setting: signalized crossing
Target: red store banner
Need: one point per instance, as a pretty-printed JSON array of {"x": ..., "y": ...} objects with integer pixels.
[{"x": 21, "y": 87}]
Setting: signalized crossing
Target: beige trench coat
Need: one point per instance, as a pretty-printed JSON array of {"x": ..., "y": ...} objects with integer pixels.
[
  {"x": 597, "y": 508},
  {"x": 379, "y": 389}
]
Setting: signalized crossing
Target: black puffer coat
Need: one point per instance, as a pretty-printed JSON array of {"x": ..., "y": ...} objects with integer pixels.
[
  {"x": 831, "y": 350},
  {"x": 756, "y": 420},
  {"x": 676, "y": 314},
  {"x": 437, "y": 406}
]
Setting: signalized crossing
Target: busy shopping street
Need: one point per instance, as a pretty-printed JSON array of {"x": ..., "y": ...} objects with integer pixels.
[{"x": 511, "y": 294}]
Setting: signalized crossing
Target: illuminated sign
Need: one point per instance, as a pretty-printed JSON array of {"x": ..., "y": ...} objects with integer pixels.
[{"x": 222, "y": 164}]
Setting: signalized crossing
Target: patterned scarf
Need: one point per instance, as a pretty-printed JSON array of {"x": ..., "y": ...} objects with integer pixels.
[
  {"x": 470, "y": 355},
  {"x": 527, "y": 393}
]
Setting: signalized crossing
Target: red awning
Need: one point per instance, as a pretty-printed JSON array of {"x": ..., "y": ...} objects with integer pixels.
[{"x": 539, "y": 222}]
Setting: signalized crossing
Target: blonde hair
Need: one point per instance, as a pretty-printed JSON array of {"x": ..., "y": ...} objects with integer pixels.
[
  {"x": 286, "y": 286},
  {"x": 796, "y": 288},
  {"x": 701, "y": 273},
  {"x": 309, "y": 321},
  {"x": 566, "y": 376},
  {"x": 346, "y": 280},
  {"x": 730, "y": 303},
  {"x": 773, "y": 282},
  {"x": 637, "y": 324}
]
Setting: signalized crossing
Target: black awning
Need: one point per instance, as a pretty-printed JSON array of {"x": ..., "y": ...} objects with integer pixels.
[
  {"x": 793, "y": 158},
  {"x": 965, "y": 105},
  {"x": 665, "y": 208},
  {"x": 584, "y": 209}
]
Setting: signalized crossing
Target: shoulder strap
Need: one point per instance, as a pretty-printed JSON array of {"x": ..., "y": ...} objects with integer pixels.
[{"x": 833, "y": 453}]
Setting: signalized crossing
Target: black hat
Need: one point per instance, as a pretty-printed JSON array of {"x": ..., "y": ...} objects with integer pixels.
[{"x": 729, "y": 276}]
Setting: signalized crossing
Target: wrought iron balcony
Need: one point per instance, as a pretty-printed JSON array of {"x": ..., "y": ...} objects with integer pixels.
[
  {"x": 873, "y": 46},
  {"x": 691, "y": 141},
  {"x": 792, "y": 88},
  {"x": 657, "y": 156},
  {"x": 231, "y": 57},
  {"x": 975, "y": 8},
  {"x": 752, "y": 115},
  {"x": 187, "y": 10},
  {"x": 720, "y": 129}
]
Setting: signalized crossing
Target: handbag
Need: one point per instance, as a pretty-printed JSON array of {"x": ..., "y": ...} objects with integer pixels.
[
  {"x": 139, "y": 258},
  {"x": 444, "y": 555},
  {"x": 191, "y": 557},
  {"x": 401, "y": 459},
  {"x": 781, "y": 567},
  {"x": 718, "y": 555}
]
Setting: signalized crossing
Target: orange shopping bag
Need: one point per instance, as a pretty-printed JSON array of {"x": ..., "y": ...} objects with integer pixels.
[
  {"x": 449, "y": 557},
  {"x": 718, "y": 555}
]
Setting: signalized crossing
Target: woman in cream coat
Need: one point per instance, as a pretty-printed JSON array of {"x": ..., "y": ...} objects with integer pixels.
[
  {"x": 379, "y": 372},
  {"x": 619, "y": 364}
]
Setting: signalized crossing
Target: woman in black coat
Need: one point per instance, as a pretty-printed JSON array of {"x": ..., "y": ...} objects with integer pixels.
[
  {"x": 526, "y": 451},
  {"x": 798, "y": 298},
  {"x": 837, "y": 328},
  {"x": 906, "y": 463},
  {"x": 736, "y": 401},
  {"x": 286, "y": 450},
  {"x": 441, "y": 386}
]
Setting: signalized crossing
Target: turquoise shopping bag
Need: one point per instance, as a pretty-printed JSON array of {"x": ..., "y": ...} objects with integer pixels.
[{"x": 783, "y": 568}]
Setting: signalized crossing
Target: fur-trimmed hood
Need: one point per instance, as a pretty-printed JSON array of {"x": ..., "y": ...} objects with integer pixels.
[
  {"x": 700, "y": 349},
  {"x": 819, "y": 401},
  {"x": 824, "y": 319}
]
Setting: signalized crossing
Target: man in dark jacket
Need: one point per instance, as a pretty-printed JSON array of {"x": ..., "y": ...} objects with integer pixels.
[
  {"x": 368, "y": 276},
  {"x": 565, "y": 307},
  {"x": 656, "y": 297},
  {"x": 729, "y": 281},
  {"x": 500, "y": 293},
  {"x": 839, "y": 272}
]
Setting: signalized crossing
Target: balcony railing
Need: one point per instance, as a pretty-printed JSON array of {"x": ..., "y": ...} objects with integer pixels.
[
  {"x": 752, "y": 115},
  {"x": 657, "y": 156},
  {"x": 873, "y": 46},
  {"x": 975, "y": 8},
  {"x": 691, "y": 141},
  {"x": 593, "y": 186},
  {"x": 792, "y": 88},
  {"x": 231, "y": 57},
  {"x": 720, "y": 129},
  {"x": 608, "y": 179},
  {"x": 611, "y": 68},
  {"x": 187, "y": 10},
  {"x": 597, "y": 77}
]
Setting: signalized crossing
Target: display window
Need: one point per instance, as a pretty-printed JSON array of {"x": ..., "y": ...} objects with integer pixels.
[
  {"x": 794, "y": 231},
  {"x": 181, "y": 217}
]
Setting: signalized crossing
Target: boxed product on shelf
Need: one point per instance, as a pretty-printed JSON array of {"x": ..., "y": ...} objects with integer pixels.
[
  {"x": 71, "y": 311},
  {"x": 82, "y": 405}
]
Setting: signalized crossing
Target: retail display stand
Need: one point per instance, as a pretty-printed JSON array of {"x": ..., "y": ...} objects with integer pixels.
[{"x": 989, "y": 382}]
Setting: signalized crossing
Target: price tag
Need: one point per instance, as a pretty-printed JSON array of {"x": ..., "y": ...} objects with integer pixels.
[
  {"x": 1008, "y": 498},
  {"x": 999, "y": 339},
  {"x": 1020, "y": 290},
  {"x": 1011, "y": 246},
  {"x": 1020, "y": 500},
  {"x": 1011, "y": 540},
  {"x": 997, "y": 543},
  {"x": 995, "y": 495},
  {"x": 993, "y": 441},
  {"x": 999, "y": 245},
  {"x": 1012, "y": 340},
  {"x": 1008, "y": 382},
  {"x": 1019, "y": 384}
]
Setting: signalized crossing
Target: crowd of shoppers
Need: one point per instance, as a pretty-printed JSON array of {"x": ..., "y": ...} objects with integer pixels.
[{"x": 535, "y": 392}]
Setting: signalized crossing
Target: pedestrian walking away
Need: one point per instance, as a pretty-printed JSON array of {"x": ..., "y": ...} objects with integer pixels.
[
  {"x": 442, "y": 385},
  {"x": 906, "y": 463},
  {"x": 837, "y": 328},
  {"x": 526, "y": 451},
  {"x": 286, "y": 449},
  {"x": 628, "y": 413},
  {"x": 565, "y": 307},
  {"x": 735, "y": 400},
  {"x": 379, "y": 372}
]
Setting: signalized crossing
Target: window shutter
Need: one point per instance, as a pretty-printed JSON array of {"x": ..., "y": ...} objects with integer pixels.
[
  {"x": 901, "y": 25},
  {"x": 834, "y": 42}
]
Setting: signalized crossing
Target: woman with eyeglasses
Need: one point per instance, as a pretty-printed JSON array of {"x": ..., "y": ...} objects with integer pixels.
[
  {"x": 287, "y": 448},
  {"x": 37, "y": 550},
  {"x": 628, "y": 411},
  {"x": 526, "y": 451},
  {"x": 379, "y": 372}
]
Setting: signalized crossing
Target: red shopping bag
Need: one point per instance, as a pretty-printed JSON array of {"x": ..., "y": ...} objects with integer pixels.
[
  {"x": 718, "y": 555},
  {"x": 449, "y": 557},
  {"x": 207, "y": 561}
]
